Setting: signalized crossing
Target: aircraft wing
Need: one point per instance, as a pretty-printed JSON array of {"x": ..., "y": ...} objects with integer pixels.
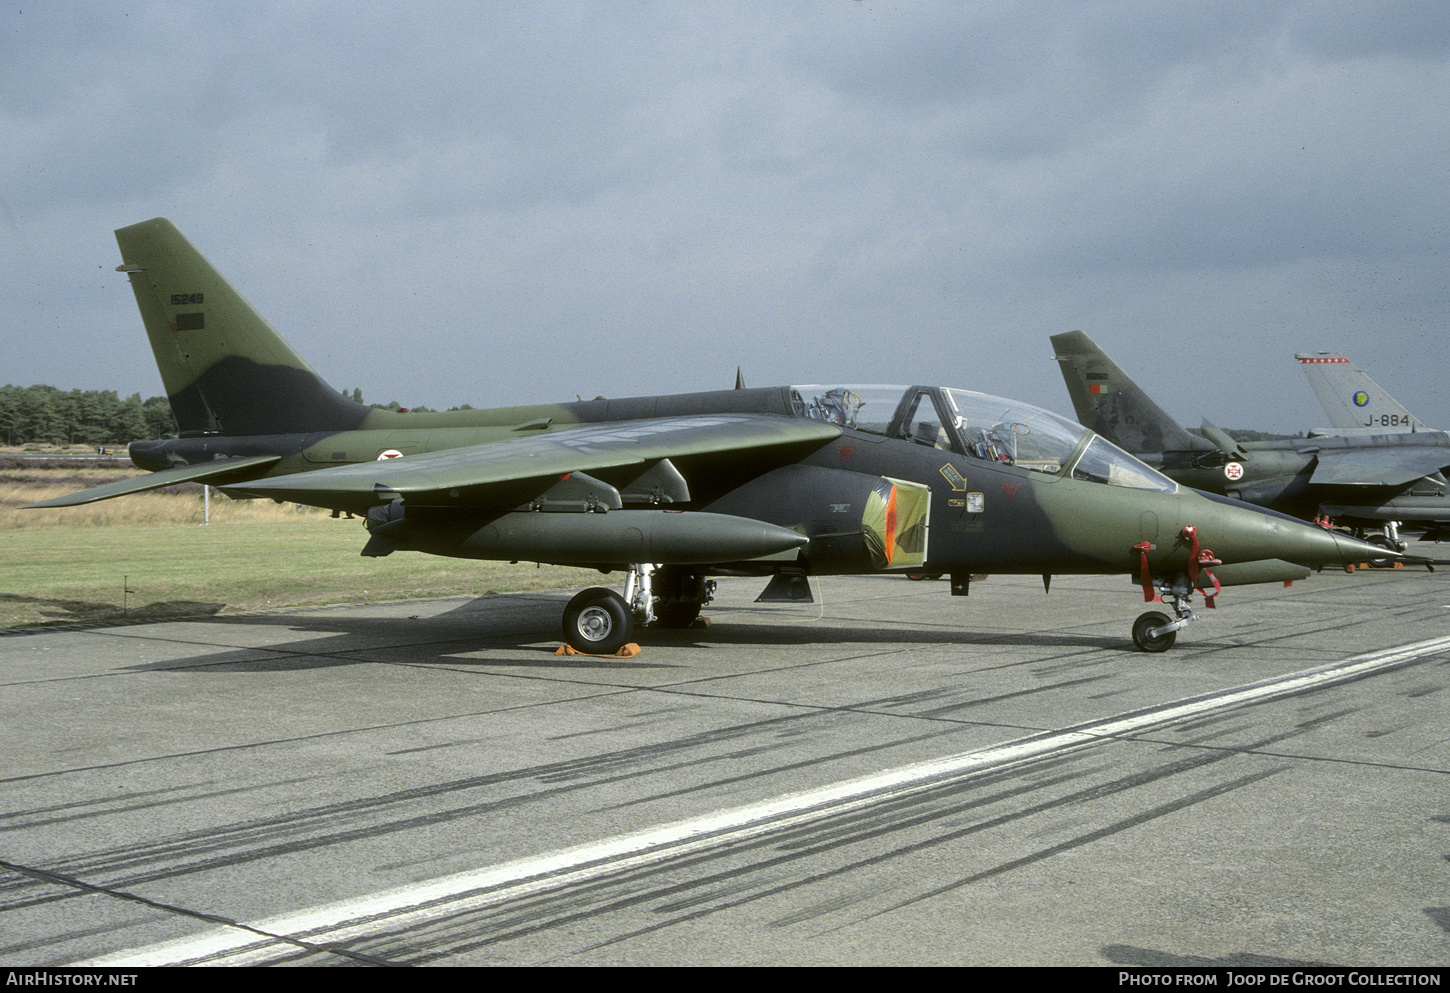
[
  {"x": 1379, "y": 466},
  {"x": 1390, "y": 511},
  {"x": 216, "y": 473},
  {"x": 496, "y": 473}
]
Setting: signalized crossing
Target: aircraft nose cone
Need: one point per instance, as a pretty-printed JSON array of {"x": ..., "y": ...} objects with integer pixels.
[
  {"x": 1246, "y": 533},
  {"x": 1310, "y": 544},
  {"x": 1354, "y": 550}
]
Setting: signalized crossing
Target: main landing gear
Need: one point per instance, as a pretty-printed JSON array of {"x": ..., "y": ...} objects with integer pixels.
[
  {"x": 599, "y": 621},
  {"x": 1390, "y": 541}
]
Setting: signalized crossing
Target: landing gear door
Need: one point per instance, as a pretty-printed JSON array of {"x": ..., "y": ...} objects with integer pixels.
[{"x": 895, "y": 524}]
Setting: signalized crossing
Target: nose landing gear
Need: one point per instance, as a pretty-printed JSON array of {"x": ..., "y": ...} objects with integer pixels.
[{"x": 1153, "y": 631}]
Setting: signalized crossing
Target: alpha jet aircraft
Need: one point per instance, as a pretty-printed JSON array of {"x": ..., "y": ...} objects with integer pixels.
[
  {"x": 1366, "y": 481},
  {"x": 782, "y": 482}
]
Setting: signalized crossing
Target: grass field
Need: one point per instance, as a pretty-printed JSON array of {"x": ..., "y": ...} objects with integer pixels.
[{"x": 148, "y": 555}]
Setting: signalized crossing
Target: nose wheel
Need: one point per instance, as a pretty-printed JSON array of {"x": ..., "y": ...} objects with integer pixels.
[{"x": 1154, "y": 632}]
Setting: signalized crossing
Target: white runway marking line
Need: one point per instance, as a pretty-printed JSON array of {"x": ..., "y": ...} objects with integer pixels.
[{"x": 397, "y": 909}]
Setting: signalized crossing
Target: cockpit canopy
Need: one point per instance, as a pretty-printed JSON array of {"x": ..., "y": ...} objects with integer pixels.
[{"x": 979, "y": 426}]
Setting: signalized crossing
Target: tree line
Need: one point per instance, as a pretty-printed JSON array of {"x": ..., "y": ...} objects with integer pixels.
[{"x": 46, "y": 415}]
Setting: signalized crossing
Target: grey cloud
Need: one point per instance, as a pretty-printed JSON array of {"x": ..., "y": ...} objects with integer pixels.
[{"x": 435, "y": 201}]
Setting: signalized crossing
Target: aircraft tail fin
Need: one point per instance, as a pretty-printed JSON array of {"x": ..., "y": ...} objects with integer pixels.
[
  {"x": 1351, "y": 400},
  {"x": 226, "y": 371},
  {"x": 1107, "y": 400}
]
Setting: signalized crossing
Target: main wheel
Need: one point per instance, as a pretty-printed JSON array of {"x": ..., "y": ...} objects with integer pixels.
[
  {"x": 597, "y": 622},
  {"x": 1145, "y": 641},
  {"x": 1384, "y": 542}
]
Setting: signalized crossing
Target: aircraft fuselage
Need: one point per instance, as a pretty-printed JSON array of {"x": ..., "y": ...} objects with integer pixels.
[{"x": 981, "y": 516}]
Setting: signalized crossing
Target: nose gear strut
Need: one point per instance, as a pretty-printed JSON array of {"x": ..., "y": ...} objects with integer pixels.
[{"x": 1153, "y": 631}]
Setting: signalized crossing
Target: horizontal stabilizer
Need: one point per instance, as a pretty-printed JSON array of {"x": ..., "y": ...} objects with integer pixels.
[
  {"x": 216, "y": 473},
  {"x": 1223, "y": 440},
  {"x": 1377, "y": 466}
]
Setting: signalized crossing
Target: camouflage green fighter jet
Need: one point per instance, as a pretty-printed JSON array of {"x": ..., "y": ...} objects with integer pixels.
[
  {"x": 782, "y": 483},
  {"x": 1369, "y": 480}
]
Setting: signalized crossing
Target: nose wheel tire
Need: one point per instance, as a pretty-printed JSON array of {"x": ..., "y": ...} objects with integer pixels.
[
  {"x": 1144, "y": 639},
  {"x": 598, "y": 622}
]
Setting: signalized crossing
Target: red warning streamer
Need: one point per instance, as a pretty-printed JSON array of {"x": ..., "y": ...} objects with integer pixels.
[
  {"x": 1145, "y": 575},
  {"x": 1201, "y": 559},
  {"x": 1198, "y": 559}
]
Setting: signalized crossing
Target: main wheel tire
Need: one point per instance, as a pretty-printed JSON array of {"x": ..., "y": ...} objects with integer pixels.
[
  {"x": 1384, "y": 542},
  {"x": 1147, "y": 642},
  {"x": 598, "y": 622}
]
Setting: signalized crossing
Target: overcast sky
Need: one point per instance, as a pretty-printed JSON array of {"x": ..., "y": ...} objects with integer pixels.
[{"x": 498, "y": 203}]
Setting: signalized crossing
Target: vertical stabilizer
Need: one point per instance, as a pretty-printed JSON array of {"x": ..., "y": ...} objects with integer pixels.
[
  {"x": 1351, "y": 400},
  {"x": 1106, "y": 400},
  {"x": 226, "y": 371}
]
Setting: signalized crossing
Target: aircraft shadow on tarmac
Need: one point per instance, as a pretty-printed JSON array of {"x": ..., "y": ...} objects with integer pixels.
[
  {"x": 522, "y": 632},
  {"x": 99, "y": 613},
  {"x": 742, "y": 633}
]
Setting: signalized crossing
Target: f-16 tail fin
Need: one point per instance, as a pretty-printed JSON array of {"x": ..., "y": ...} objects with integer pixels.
[
  {"x": 1106, "y": 400},
  {"x": 1351, "y": 400},
  {"x": 226, "y": 371}
]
